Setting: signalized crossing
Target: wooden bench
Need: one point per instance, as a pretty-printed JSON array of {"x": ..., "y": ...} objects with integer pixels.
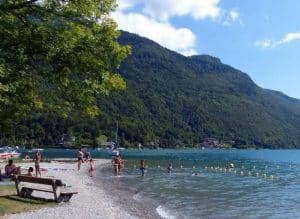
[{"x": 55, "y": 186}]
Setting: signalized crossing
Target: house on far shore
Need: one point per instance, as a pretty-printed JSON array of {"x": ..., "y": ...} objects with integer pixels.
[
  {"x": 210, "y": 143},
  {"x": 108, "y": 145},
  {"x": 67, "y": 140}
]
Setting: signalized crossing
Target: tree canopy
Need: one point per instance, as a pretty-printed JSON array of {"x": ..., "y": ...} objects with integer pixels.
[{"x": 57, "y": 55}]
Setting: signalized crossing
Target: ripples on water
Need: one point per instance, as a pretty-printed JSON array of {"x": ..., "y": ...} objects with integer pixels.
[{"x": 263, "y": 184}]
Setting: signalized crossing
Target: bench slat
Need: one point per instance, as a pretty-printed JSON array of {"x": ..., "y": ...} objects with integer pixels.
[
  {"x": 68, "y": 192},
  {"x": 38, "y": 189},
  {"x": 30, "y": 179},
  {"x": 49, "y": 190}
]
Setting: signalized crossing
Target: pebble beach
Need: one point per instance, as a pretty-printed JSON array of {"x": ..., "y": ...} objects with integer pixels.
[{"x": 92, "y": 200}]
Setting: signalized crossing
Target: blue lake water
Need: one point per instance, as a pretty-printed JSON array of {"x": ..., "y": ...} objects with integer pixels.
[{"x": 263, "y": 184}]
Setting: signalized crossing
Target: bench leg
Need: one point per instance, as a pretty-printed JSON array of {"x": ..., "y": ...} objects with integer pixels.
[
  {"x": 22, "y": 192},
  {"x": 26, "y": 192},
  {"x": 29, "y": 192},
  {"x": 67, "y": 197},
  {"x": 60, "y": 198}
]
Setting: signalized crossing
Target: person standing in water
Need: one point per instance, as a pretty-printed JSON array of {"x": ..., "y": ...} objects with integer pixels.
[
  {"x": 80, "y": 157},
  {"x": 170, "y": 168},
  {"x": 142, "y": 167},
  {"x": 117, "y": 162},
  {"x": 37, "y": 160}
]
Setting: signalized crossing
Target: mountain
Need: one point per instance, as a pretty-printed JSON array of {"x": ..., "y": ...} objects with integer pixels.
[
  {"x": 172, "y": 100},
  {"x": 178, "y": 100}
]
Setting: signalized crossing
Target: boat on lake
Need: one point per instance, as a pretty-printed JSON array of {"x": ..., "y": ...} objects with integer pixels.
[
  {"x": 113, "y": 152},
  {"x": 36, "y": 150},
  {"x": 7, "y": 152}
]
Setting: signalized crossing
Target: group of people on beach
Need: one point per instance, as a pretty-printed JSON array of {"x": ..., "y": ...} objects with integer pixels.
[
  {"x": 117, "y": 163},
  {"x": 85, "y": 157},
  {"x": 37, "y": 160},
  {"x": 10, "y": 169}
]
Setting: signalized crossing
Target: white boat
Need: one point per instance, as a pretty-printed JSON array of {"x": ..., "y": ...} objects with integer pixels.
[
  {"x": 36, "y": 150},
  {"x": 8, "y": 152},
  {"x": 113, "y": 152},
  {"x": 121, "y": 148}
]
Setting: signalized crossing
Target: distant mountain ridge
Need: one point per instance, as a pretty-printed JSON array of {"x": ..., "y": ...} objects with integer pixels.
[
  {"x": 172, "y": 100},
  {"x": 178, "y": 100}
]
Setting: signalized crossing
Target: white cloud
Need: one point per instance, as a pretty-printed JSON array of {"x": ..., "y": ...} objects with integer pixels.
[
  {"x": 289, "y": 37},
  {"x": 165, "y": 9},
  {"x": 234, "y": 15},
  {"x": 181, "y": 40},
  {"x": 228, "y": 18},
  {"x": 151, "y": 18},
  {"x": 263, "y": 43},
  {"x": 188, "y": 52},
  {"x": 275, "y": 43}
]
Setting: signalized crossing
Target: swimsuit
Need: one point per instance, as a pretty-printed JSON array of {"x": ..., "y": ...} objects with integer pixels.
[{"x": 37, "y": 167}]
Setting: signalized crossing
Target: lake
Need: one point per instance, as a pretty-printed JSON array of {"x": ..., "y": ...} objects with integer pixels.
[{"x": 262, "y": 184}]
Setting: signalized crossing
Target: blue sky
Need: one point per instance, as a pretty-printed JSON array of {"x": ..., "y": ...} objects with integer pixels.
[{"x": 259, "y": 37}]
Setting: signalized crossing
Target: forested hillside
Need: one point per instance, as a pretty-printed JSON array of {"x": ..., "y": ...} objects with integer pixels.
[{"x": 172, "y": 100}]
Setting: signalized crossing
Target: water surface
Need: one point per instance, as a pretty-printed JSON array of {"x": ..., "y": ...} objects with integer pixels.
[{"x": 263, "y": 184}]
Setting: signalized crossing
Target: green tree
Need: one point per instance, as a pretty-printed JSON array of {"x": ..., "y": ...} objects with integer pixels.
[
  {"x": 101, "y": 139},
  {"x": 57, "y": 55}
]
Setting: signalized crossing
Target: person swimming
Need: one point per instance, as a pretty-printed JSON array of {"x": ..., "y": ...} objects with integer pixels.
[
  {"x": 230, "y": 166},
  {"x": 170, "y": 168}
]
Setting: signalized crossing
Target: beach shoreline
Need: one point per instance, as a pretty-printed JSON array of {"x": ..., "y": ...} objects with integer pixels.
[
  {"x": 127, "y": 197},
  {"x": 92, "y": 200}
]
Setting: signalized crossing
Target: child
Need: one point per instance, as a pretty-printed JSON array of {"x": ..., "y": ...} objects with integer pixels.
[
  {"x": 142, "y": 168},
  {"x": 92, "y": 167},
  {"x": 87, "y": 156},
  {"x": 30, "y": 171}
]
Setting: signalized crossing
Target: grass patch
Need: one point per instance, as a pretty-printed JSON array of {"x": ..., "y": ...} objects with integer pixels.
[{"x": 10, "y": 203}]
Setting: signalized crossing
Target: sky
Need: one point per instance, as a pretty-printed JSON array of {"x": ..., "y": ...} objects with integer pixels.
[{"x": 258, "y": 37}]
